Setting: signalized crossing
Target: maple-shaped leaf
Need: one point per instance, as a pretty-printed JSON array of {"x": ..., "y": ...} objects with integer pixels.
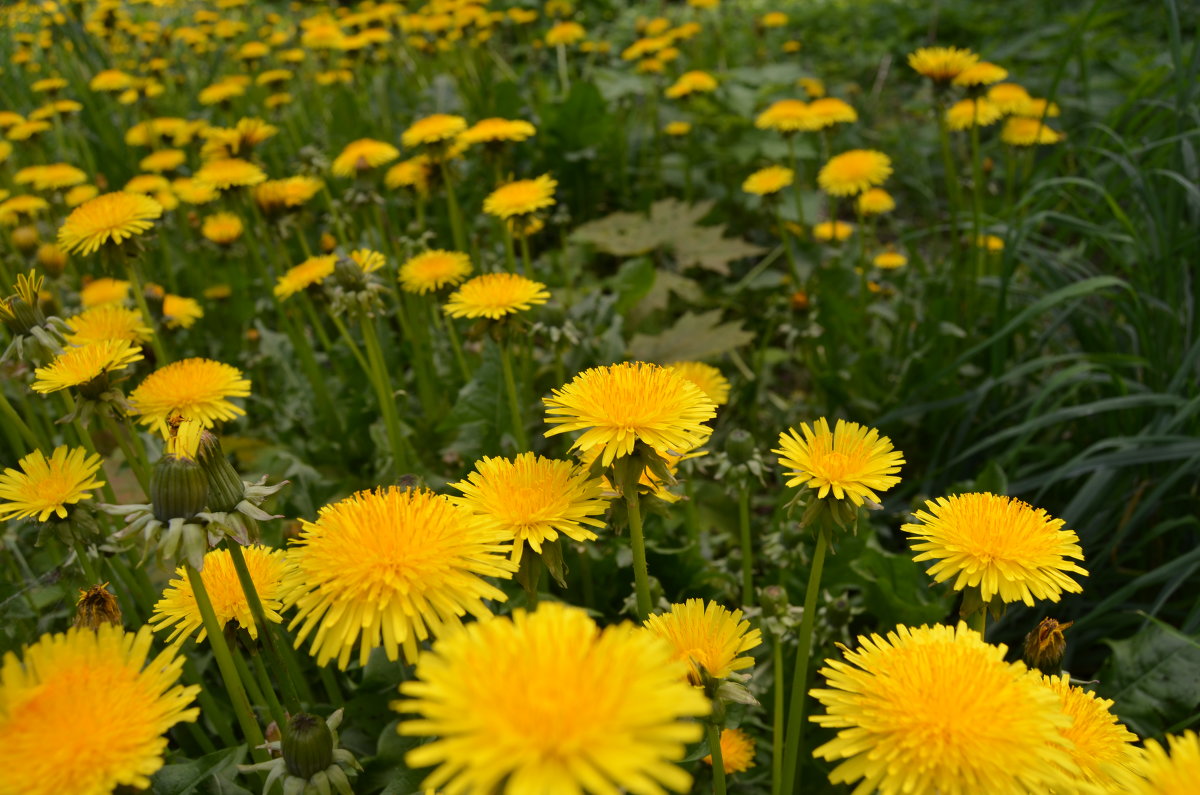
[{"x": 694, "y": 337}]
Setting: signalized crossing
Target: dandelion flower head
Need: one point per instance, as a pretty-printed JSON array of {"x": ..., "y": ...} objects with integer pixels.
[
  {"x": 710, "y": 638},
  {"x": 853, "y": 462},
  {"x": 495, "y": 295},
  {"x": 78, "y": 367},
  {"x": 521, "y": 197},
  {"x": 197, "y": 388},
  {"x": 768, "y": 181},
  {"x": 113, "y": 217},
  {"x": 433, "y": 270},
  {"x": 45, "y": 487},
  {"x": 854, "y": 172}
]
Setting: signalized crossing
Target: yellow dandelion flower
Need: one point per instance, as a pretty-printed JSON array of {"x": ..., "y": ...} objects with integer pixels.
[
  {"x": 828, "y": 111},
  {"x": 832, "y": 231},
  {"x": 1173, "y": 770},
  {"x": 618, "y": 405},
  {"x": 289, "y": 193},
  {"x": 968, "y": 113},
  {"x": 230, "y": 172},
  {"x": 787, "y": 116},
  {"x": 363, "y": 155},
  {"x": 710, "y": 638},
  {"x": 769, "y": 180},
  {"x": 935, "y": 709},
  {"x": 196, "y": 388},
  {"x": 222, "y": 228},
  {"x": 192, "y": 191},
  {"x": 1023, "y": 131},
  {"x": 27, "y": 129},
  {"x": 113, "y": 217},
  {"x": 533, "y": 500},
  {"x": 677, "y": 129},
  {"x": 147, "y": 183},
  {"x": 413, "y": 173},
  {"x": 1102, "y": 749},
  {"x": 433, "y": 270},
  {"x": 982, "y": 73},
  {"x": 433, "y": 129},
  {"x": 1037, "y": 107},
  {"x": 45, "y": 486},
  {"x": 694, "y": 82},
  {"x": 942, "y": 63},
  {"x": 86, "y": 712},
  {"x": 853, "y": 462},
  {"x": 181, "y": 312},
  {"x": 177, "y": 609},
  {"x": 104, "y": 290},
  {"x": 737, "y": 752},
  {"x": 493, "y": 131},
  {"x": 108, "y": 321},
  {"x": 875, "y": 201},
  {"x": 494, "y": 295},
  {"x": 390, "y": 568},
  {"x": 710, "y": 380},
  {"x": 521, "y": 197},
  {"x": 55, "y": 176},
  {"x": 26, "y": 205},
  {"x": 1000, "y": 545},
  {"x": 273, "y": 76},
  {"x": 854, "y": 172},
  {"x": 313, "y": 270},
  {"x": 111, "y": 80},
  {"x": 81, "y": 367},
  {"x": 79, "y": 194},
  {"x": 618, "y": 719},
  {"x": 368, "y": 261},
  {"x": 890, "y": 260},
  {"x": 1009, "y": 97},
  {"x": 990, "y": 243},
  {"x": 8, "y": 118},
  {"x": 565, "y": 33},
  {"x": 163, "y": 160}
]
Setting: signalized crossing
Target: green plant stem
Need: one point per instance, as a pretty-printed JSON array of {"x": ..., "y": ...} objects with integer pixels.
[
  {"x": 329, "y": 682},
  {"x": 85, "y": 562},
  {"x": 264, "y": 684},
  {"x": 266, "y": 628},
  {"x": 795, "y": 718},
  {"x": 135, "y": 457},
  {"x": 793, "y": 266},
  {"x": 383, "y": 391},
  {"x": 952, "y": 190},
  {"x": 641, "y": 575},
  {"x": 208, "y": 705},
  {"x": 796, "y": 197},
  {"x": 514, "y": 404},
  {"x": 977, "y": 203},
  {"x": 133, "y": 271},
  {"x": 978, "y": 622},
  {"x": 718, "y": 762},
  {"x": 312, "y": 371},
  {"x": 526, "y": 260},
  {"x": 747, "y": 548},
  {"x": 12, "y": 419},
  {"x": 225, "y": 664},
  {"x": 777, "y": 724},
  {"x": 456, "y": 222},
  {"x": 510, "y": 251}
]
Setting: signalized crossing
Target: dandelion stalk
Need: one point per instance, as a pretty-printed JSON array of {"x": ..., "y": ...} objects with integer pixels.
[
  {"x": 977, "y": 197},
  {"x": 793, "y": 266},
  {"x": 795, "y": 718},
  {"x": 777, "y": 724},
  {"x": 85, "y": 562},
  {"x": 747, "y": 549},
  {"x": 641, "y": 574},
  {"x": 133, "y": 273},
  {"x": 526, "y": 260},
  {"x": 13, "y": 420},
  {"x": 383, "y": 391},
  {"x": 718, "y": 763},
  {"x": 456, "y": 222},
  {"x": 514, "y": 404}
]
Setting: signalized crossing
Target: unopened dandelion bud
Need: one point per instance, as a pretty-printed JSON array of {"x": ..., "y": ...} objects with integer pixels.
[
  {"x": 740, "y": 446},
  {"x": 178, "y": 488},
  {"x": 25, "y": 238},
  {"x": 349, "y": 275},
  {"x": 97, "y": 607},
  {"x": 19, "y": 315},
  {"x": 774, "y": 600},
  {"x": 307, "y": 745},
  {"x": 52, "y": 259},
  {"x": 1045, "y": 646},
  {"x": 225, "y": 487}
]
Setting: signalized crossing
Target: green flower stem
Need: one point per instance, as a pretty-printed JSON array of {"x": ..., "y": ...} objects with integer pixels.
[
  {"x": 514, "y": 403},
  {"x": 510, "y": 252},
  {"x": 229, "y": 674},
  {"x": 564, "y": 77},
  {"x": 329, "y": 682},
  {"x": 350, "y": 343},
  {"x": 796, "y": 197},
  {"x": 641, "y": 575},
  {"x": 136, "y": 460},
  {"x": 456, "y": 222},
  {"x": 13, "y": 420},
  {"x": 306, "y": 305},
  {"x": 977, "y": 200},
  {"x": 85, "y": 440},
  {"x": 526, "y": 260},
  {"x": 718, "y": 763},
  {"x": 312, "y": 371},
  {"x": 978, "y": 621},
  {"x": 456, "y": 346},
  {"x": 85, "y": 562},
  {"x": 208, "y": 705},
  {"x": 264, "y": 684},
  {"x": 254, "y": 692},
  {"x": 275, "y": 650},
  {"x": 401, "y": 459},
  {"x": 952, "y": 190},
  {"x": 133, "y": 272},
  {"x": 795, "y": 718},
  {"x": 747, "y": 548},
  {"x": 786, "y": 235},
  {"x": 777, "y": 716}
]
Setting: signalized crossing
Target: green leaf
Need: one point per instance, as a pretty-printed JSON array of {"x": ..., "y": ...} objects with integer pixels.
[
  {"x": 895, "y": 589},
  {"x": 183, "y": 778},
  {"x": 477, "y": 415},
  {"x": 632, "y": 282},
  {"x": 693, "y": 337},
  {"x": 1153, "y": 678}
]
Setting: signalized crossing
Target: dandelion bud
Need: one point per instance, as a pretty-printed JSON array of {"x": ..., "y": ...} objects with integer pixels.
[
  {"x": 740, "y": 446},
  {"x": 19, "y": 315},
  {"x": 349, "y": 275},
  {"x": 178, "y": 488},
  {"x": 225, "y": 487},
  {"x": 307, "y": 745},
  {"x": 328, "y": 242},
  {"x": 774, "y": 600},
  {"x": 96, "y": 607},
  {"x": 25, "y": 238},
  {"x": 1045, "y": 646},
  {"x": 52, "y": 259}
]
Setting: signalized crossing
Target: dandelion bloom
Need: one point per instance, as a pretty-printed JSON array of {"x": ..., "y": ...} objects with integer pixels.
[
  {"x": 230, "y": 172},
  {"x": 85, "y": 712},
  {"x": 935, "y": 709},
  {"x": 982, "y": 73},
  {"x": 832, "y": 231},
  {"x": 413, "y": 173},
  {"x": 313, "y": 270},
  {"x": 433, "y": 129},
  {"x": 853, "y": 462},
  {"x": 875, "y": 201},
  {"x": 1000, "y": 545},
  {"x": 828, "y": 111},
  {"x": 163, "y": 160},
  {"x": 363, "y": 155},
  {"x": 1009, "y": 97},
  {"x": 1038, "y": 107},
  {"x": 45, "y": 486},
  {"x": 854, "y": 172},
  {"x": 710, "y": 638},
  {"x": 710, "y": 380},
  {"x": 677, "y": 129},
  {"x": 104, "y": 290},
  {"x": 368, "y": 261},
  {"x": 565, "y": 33},
  {"x": 942, "y": 63},
  {"x": 107, "y": 322},
  {"x": 494, "y": 295},
  {"x": 23, "y": 205},
  {"x": 737, "y": 751},
  {"x": 190, "y": 190},
  {"x": 433, "y": 270},
  {"x": 222, "y": 228},
  {"x": 1022, "y": 131},
  {"x": 289, "y": 193},
  {"x": 180, "y": 312},
  {"x": 618, "y": 718},
  {"x": 968, "y": 113},
  {"x": 80, "y": 367},
  {"x": 147, "y": 184},
  {"x": 390, "y": 568},
  {"x": 890, "y": 260},
  {"x": 196, "y": 388},
  {"x": 533, "y": 499},
  {"x": 620, "y": 404},
  {"x": 80, "y": 194},
  {"x": 494, "y": 131},
  {"x": 786, "y": 115},
  {"x": 521, "y": 197},
  {"x": 177, "y": 608},
  {"x": 55, "y": 176},
  {"x": 111, "y": 217},
  {"x": 694, "y": 82},
  {"x": 990, "y": 243},
  {"x": 1173, "y": 770},
  {"x": 1102, "y": 748},
  {"x": 769, "y": 180}
]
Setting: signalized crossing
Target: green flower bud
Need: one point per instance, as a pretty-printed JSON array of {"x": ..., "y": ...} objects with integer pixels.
[
  {"x": 740, "y": 446},
  {"x": 307, "y": 745},
  {"x": 225, "y": 487},
  {"x": 178, "y": 488}
]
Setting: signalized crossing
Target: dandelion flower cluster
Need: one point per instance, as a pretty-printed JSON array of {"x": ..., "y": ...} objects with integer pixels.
[{"x": 363, "y": 155}]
